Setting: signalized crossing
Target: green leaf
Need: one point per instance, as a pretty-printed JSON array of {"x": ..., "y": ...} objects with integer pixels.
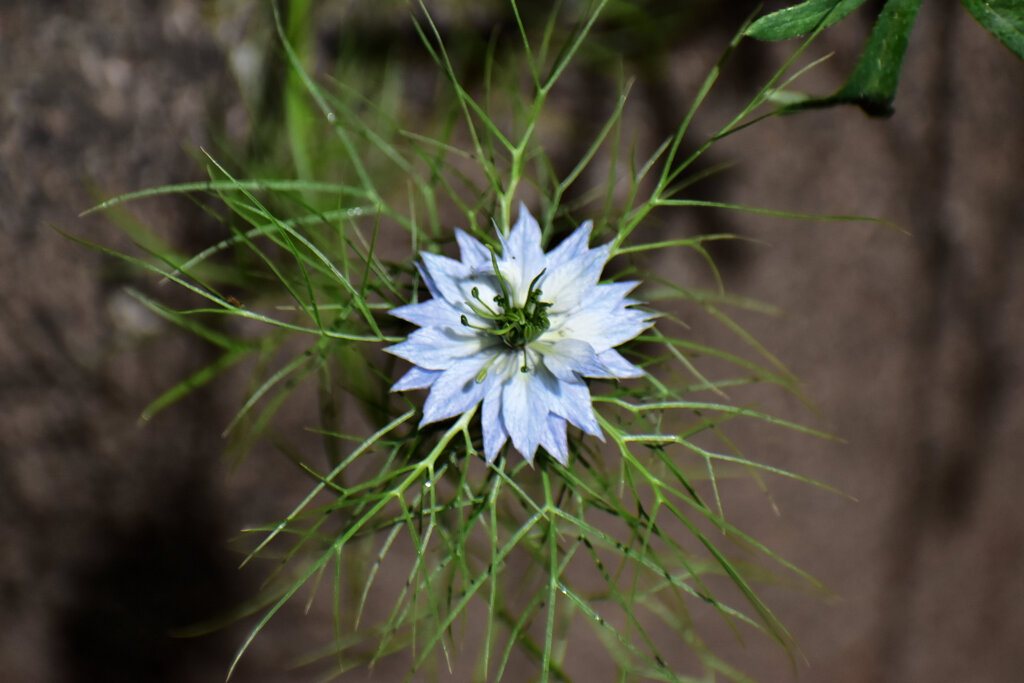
[
  {"x": 1002, "y": 18},
  {"x": 801, "y": 19},
  {"x": 872, "y": 85}
]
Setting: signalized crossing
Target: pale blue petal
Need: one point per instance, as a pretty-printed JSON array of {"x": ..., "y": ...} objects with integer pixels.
[
  {"x": 430, "y": 313},
  {"x": 572, "y": 401},
  {"x": 495, "y": 434},
  {"x": 573, "y": 246},
  {"x": 518, "y": 417},
  {"x": 576, "y": 280},
  {"x": 446, "y": 274},
  {"x": 594, "y": 262},
  {"x": 554, "y": 439},
  {"x": 474, "y": 253},
  {"x": 617, "y": 366},
  {"x": 437, "y": 348},
  {"x": 522, "y": 258},
  {"x": 524, "y": 408},
  {"x": 416, "y": 378},
  {"x": 567, "y": 358},
  {"x": 604, "y": 329},
  {"x": 456, "y": 390},
  {"x": 610, "y": 295},
  {"x": 428, "y": 281}
]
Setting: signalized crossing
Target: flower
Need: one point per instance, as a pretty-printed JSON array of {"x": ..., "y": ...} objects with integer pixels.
[{"x": 520, "y": 332}]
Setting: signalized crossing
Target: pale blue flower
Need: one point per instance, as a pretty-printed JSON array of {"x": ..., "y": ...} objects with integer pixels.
[{"x": 520, "y": 332}]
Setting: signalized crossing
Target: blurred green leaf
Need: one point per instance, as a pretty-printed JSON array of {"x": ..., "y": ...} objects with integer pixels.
[
  {"x": 1002, "y": 18},
  {"x": 801, "y": 19},
  {"x": 872, "y": 85}
]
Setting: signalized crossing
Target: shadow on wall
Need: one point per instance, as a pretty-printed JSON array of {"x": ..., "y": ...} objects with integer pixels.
[{"x": 166, "y": 572}]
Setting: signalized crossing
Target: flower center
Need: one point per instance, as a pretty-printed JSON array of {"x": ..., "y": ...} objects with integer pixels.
[
  {"x": 517, "y": 326},
  {"x": 520, "y": 326}
]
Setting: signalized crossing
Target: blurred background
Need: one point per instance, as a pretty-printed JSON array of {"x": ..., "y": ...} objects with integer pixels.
[{"x": 114, "y": 534}]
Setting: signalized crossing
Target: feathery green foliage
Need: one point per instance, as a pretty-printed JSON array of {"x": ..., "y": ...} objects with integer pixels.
[{"x": 631, "y": 540}]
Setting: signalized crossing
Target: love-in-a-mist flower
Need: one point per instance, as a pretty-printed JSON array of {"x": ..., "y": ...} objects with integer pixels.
[{"x": 519, "y": 331}]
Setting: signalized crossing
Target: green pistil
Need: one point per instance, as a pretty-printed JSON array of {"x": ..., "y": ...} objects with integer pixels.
[
  {"x": 517, "y": 326},
  {"x": 523, "y": 325}
]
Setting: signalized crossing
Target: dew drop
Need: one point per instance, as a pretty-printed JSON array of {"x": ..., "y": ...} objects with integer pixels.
[
  {"x": 331, "y": 117},
  {"x": 428, "y": 484}
]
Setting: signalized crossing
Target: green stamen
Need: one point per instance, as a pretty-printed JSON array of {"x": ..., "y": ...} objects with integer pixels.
[
  {"x": 476, "y": 295},
  {"x": 480, "y": 376},
  {"x": 518, "y": 326}
]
